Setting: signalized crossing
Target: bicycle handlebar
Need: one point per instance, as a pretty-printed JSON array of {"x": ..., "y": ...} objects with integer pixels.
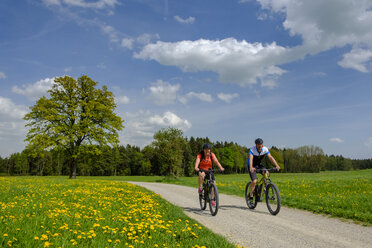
[
  {"x": 264, "y": 169},
  {"x": 201, "y": 170}
]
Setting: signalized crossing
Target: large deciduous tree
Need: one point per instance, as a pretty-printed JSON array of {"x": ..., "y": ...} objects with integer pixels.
[
  {"x": 75, "y": 113},
  {"x": 169, "y": 146}
]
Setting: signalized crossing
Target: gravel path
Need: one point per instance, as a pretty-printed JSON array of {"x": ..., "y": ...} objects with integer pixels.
[{"x": 258, "y": 228}]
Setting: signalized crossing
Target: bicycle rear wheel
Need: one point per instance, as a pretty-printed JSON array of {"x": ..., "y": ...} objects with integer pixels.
[
  {"x": 213, "y": 192},
  {"x": 251, "y": 204},
  {"x": 203, "y": 199},
  {"x": 273, "y": 201}
]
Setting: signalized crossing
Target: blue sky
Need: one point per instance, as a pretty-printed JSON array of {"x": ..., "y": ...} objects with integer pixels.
[{"x": 293, "y": 72}]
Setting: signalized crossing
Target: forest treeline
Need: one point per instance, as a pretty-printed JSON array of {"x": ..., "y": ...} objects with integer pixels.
[{"x": 170, "y": 154}]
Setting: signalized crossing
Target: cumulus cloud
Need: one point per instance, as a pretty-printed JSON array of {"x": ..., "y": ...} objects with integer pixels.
[
  {"x": 163, "y": 93},
  {"x": 141, "y": 126},
  {"x": 325, "y": 24},
  {"x": 2, "y": 75},
  {"x": 368, "y": 142},
  {"x": 100, "y": 4},
  {"x": 235, "y": 61},
  {"x": 357, "y": 59},
  {"x": 189, "y": 20},
  {"x": 336, "y": 140},
  {"x": 36, "y": 90},
  {"x": 201, "y": 96},
  {"x": 141, "y": 40},
  {"x": 10, "y": 111},
  {"x": 122, "y": 100},
  {"x": 12, "y": 126},
  {"x": 127, "y": 43},
  {"x": 322, "y": 25},
  {"x": 227, "y": 97}
]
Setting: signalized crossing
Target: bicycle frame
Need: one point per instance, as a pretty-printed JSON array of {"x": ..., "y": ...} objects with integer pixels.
[{"x": 265, "y": 179}]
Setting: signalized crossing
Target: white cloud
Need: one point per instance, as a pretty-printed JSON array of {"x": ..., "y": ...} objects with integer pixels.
[
  {"x": 68, "y": 69},
  {"x": 140, "y": 127},
  {"x": 325, "y": 24},
  {"x": 336, "y": 140},
  {"x": 141, "y": 40},
  {"x": 127, "y": 43},
  {"x": 147, "y": 38},
  {"x": 36, "y": 90},
  {"x": 2, "y": 75},
  {"x": 10, "y": 111},
  {"x": 322, "y": 25},
  {"x": 169, "y": 119},
  {"x": 201, "y": 96},
  {"x": 227, "y": 97},
  {"x": 235, "y": 61},
  {"x": 163, "y": 93},
  {"x": 368, "y": 142},
  {"x": 100, "y": 4},
  {"x": 122, "y": 100},
  {"x": 111, "y": 32},
  {"x": 189, "y": 20},
  {"x": 12, "y": 126},
  {"x": 357, "y": 59}
]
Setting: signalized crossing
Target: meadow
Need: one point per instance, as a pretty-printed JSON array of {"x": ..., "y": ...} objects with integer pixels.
[
  {"x": 58, "y": 212},
  {"x": 344, "y": 194}
]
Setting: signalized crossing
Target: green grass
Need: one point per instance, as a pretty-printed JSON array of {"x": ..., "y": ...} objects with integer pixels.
[
  {"x": 345, "y": 194},
  {"x": 57, "y": 212}
]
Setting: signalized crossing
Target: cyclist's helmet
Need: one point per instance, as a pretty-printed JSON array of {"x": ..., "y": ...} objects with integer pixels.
[
  {"x": 258, "y": 141},
  {"x": 207, "y": 146}
]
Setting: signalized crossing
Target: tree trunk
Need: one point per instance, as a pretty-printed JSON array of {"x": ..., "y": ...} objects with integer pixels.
[{"x": 73, "y": 168}]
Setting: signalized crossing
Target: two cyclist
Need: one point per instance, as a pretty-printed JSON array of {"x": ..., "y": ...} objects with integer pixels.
[
  {"x": 204, "y": 161},
  {"x": 256, "y": 154}
]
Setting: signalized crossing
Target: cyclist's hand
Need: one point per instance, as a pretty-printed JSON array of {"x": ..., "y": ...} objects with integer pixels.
[
  {"x": 278, "y": 168},
  {"x": 197, "y": 169},
  {"x": 252, "y": 169},
  {"x": 222, "y": 169}
]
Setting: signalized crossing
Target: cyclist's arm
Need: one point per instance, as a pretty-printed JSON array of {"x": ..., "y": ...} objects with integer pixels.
[
  {"x": 215, "y": 160},
  {"x": 197, "y": 162},
  {"x": 250, "y": 166},
  {"x": 272, "y": 159}
]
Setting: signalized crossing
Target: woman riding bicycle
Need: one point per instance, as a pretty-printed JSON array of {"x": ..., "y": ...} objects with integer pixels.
[
  {"x": 256, "y": 154},
  {"x": 204, "y": 162}
]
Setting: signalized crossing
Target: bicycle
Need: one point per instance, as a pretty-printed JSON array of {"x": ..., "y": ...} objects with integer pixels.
[
  {"x": 209, "y": 189},
  {"x": 270, "y": 190}
]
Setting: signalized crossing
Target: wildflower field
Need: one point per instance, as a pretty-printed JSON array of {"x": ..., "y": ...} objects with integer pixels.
[
  {"x": 58, "y": 212},
  {"x": 345, "y": 194}
]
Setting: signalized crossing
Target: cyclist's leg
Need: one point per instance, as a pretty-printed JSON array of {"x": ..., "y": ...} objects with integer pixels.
[
  {"x": 200, "y": 180},
  {"x": 253, "y": 184}
]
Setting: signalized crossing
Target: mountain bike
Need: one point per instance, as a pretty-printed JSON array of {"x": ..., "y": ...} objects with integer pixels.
[
  {"x": 209, "y": 193},
  {"x": 264, "y": 187}
]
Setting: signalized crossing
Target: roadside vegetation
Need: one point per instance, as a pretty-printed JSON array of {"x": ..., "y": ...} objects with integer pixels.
[{"x": 57, "y": 212}]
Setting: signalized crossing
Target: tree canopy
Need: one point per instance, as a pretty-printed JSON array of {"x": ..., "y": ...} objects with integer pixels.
[{"x": 75, "y": 113}]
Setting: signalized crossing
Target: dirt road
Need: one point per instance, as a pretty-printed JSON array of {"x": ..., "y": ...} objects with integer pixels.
[{"x": 258, "y": 228}]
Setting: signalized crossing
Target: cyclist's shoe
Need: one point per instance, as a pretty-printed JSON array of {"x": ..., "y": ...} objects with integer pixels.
[
  {"x": 251, "y": 199},
  {"x": 199, "y": 190},
  {"x": 213, "y": 203}
]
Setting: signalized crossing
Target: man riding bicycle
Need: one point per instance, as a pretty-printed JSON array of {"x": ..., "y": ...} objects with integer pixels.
[
  {"x": 256, "y": 154},
  {"x": 204, "y": 162}
]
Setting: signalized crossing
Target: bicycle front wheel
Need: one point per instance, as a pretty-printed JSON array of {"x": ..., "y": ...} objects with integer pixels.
[
  {"x": 203, "y": 199},
  {"x": 273, "y": 198},
  {"x": 250, "y": 203},
  {"x": 213, "y": 199}
]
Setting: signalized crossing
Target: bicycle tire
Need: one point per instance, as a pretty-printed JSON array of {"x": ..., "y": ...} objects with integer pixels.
[
  {"x": 213, "y": 209},
  {"x": 273, "y": 200},
  {"x": 251, "y": 205},
  {"x": 203, "y": 199}
]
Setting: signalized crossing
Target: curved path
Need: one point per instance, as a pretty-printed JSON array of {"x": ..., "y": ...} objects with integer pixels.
[{"x": 258, "y": 228}]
